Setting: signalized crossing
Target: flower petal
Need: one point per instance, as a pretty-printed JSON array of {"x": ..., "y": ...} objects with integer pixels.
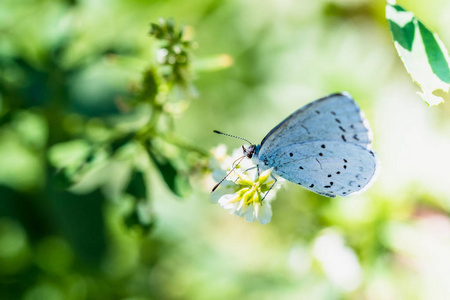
[
  {"x": 265, "y": 213},
  {"x": 250, "y": 214},
  {"x": 264, "y": 176}
]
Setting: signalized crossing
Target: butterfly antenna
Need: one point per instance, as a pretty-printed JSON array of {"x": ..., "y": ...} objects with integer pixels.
[
  {"x": 237, "y": 137},
  {"x": 217, "y": 185}
]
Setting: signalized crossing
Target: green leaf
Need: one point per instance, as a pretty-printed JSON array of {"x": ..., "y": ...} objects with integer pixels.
[
  {"x": 176, "y": 182},
  {"x": 137, "y": 186},
  {"x": 69, "y": 154},
  {"x": 167, "y": 170},
  {"x": 422, "y": 52},
  {"x": 141, "y": 217}
]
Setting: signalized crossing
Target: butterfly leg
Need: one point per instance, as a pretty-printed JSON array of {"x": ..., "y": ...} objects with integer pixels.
[
  {"x": 251, "y": 168},
  {"x": 273, "y": 184}
]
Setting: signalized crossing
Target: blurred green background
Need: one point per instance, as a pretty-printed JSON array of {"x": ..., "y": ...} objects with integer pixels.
[{"x": 101, "y": 137}]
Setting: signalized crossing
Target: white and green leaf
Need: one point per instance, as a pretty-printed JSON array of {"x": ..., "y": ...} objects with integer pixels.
[{"x": 422, "y": 52}]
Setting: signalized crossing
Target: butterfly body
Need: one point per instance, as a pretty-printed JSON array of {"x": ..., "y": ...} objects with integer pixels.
[{"x": 324, "y": 146}]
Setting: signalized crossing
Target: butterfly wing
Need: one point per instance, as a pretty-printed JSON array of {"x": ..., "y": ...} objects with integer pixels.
[
  {"x": 325, "y": 167},
  {"x": 335, "y": 118}
]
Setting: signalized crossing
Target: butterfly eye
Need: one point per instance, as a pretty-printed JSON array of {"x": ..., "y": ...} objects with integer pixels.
[{"x": 248, "y": 151}]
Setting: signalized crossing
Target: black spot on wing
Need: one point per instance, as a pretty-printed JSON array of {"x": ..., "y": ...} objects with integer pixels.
[{"x": 343, "y": 138}]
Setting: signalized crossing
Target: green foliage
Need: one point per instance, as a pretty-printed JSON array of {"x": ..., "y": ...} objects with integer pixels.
[
  {"x": 423, "y": 53},
  {"x": 92, "y": 137},
  {"x": 174, "y": 54},
  {"x": 104, "y": 140}
]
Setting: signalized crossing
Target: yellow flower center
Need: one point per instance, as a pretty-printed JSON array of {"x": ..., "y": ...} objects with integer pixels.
[{"x": 251, "y": 192}]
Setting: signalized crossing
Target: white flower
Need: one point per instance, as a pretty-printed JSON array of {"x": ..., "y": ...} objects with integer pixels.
[{"x": 239, "y": 193}]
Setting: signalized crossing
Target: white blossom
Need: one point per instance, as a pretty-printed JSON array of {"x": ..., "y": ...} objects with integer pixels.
[{"x": 244, "y": 192}]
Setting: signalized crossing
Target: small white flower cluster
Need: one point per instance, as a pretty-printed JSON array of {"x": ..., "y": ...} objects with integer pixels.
[{"x": 243, "y": 191}]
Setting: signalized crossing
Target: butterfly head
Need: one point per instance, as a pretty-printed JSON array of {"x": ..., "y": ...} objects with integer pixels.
[{"x": 249, "y": 151}]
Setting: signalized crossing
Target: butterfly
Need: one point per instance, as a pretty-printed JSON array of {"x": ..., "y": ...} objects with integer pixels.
[{"x": 324, "y": 146}]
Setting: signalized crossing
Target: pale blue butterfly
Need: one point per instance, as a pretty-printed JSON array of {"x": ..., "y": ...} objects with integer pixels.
[{"x": 324, "y": 146}]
